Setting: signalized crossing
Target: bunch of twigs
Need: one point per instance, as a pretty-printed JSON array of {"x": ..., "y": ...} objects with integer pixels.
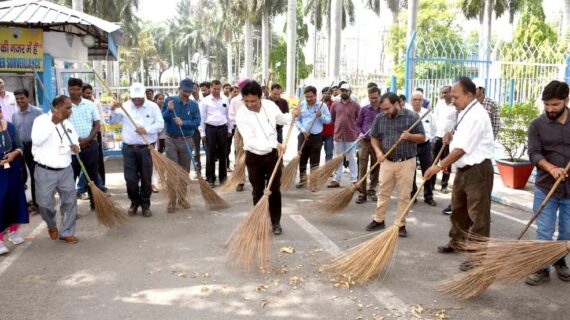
[{"x": 238, "y": 176}]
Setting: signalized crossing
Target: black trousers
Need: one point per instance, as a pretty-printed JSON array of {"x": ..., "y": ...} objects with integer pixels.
[
  {"x": 216, "y": 148},
  {"x": 101, "y": 158},
  {"x": 90, "y": 158},
  {"x": 197, "y": 140},
  {"x": 438, "y": 143},
  {"x": 229, "y": 146},
  {"x": 259, "y": 170},
  {"x": 29, "y": 161},
  {"x": 137, "y": 167},
  {"x": 426, "y": 158},
  {"x": 311, "y": 151}
]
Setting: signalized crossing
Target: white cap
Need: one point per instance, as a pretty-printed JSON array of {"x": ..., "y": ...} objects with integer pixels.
[
  {"x": 345, "y": 86},
  {"x": 479, "y": 83},
  {"x": 137, "y": 90}
]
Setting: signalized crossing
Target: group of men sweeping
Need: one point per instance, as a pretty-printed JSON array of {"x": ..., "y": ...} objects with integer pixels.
[{"x": 391, "y": 137}]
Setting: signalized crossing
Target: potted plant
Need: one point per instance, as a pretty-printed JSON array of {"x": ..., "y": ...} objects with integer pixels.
[{"x": 516, "y": 169}]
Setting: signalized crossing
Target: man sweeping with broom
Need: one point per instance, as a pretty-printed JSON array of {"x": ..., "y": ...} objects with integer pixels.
[
  {"x": 547, "y": 149},
  {"x": 471, "y": 151},
  {"x": 257, "y": 123}
]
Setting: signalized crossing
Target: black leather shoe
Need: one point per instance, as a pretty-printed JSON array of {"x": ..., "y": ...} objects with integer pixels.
[
  {"x": 402, "y": 232},
  {"x": 466, "y": 266},
  {"x": 277, "y": 230},
  {"x": 361, "y": 198},
  {"x": 133, "y": 210},
  {"x": 373, "y": 226},
  {"x": 146, "y": 213},
  {"x": 447, "y": 210},
  {"x": 430, "y": 202},
  {"x": 562, "y": 270},
  {"x": 446, "y": 248},
  {"x": 539, "y": 277}
]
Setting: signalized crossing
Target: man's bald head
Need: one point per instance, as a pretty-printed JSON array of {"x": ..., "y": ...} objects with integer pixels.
[{"x": 417, "y": 100}]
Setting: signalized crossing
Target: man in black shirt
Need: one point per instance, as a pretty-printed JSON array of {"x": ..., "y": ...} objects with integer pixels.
[{"x": 283, "y": 105}]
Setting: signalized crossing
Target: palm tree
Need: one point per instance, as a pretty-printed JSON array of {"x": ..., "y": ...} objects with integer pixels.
[
  {"x": 245, "y": 12},
  {"x": 269, "y": 9},
  {"x": 393, "y": 5}
]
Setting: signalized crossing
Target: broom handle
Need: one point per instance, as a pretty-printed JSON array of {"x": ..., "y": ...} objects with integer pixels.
[
  {"x": 104, "y": 83},
  {"x": 409, "y": 206},
  {"x": 188, "y": 149},
  {"x": 281, "y": 156},
  {"x": 544, "y": 202}
]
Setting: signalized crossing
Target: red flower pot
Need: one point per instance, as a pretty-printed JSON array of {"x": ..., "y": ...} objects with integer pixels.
[{"x": 514, "y": 174}]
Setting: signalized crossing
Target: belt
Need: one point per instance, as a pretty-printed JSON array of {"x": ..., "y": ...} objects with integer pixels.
[
  {"x": 400, "y": 159},
  {"x": 180, "y": 137},
  {"x": 48, "y": 168},
  {"x": 212, "y": 126},
  {"x": 465, "y": 168},
  {"x": 135, "y": 146}
]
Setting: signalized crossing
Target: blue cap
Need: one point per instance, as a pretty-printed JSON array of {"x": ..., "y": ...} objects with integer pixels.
[{"x": 187, "y": 84}]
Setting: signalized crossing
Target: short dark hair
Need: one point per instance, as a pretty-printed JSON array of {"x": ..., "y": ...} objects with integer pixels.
[
  {"x": 75, "y": 82},
  {"x": 216, "y": 83},
  {"x": 334, "y": 87},
  {"x": 252, "y": 88},
  {"x": 555, "y": 90},
  {"x": 276, "y": 86},
  {"x": 227, "y": 85},
  {"x": 326, "y": 90},
  {"x": 371, "y": 85},
  {"x": 22, "y": 92},
  {"x": 467, "y": 85},
  {"x": 374, "y": 90},
  {"x": 403, "y": 97},
  {"x": 420, "y": 90},
  {"x": 59, "y": 100},
  {"x": 149, "y": 89},
  {"x": 235, "y": 88},
  {"x": 310, "y": 89},
  {"x": 158, "y": 95},
  {"x": 86, "y": 86},
  {"x": 205, "y": 84},
  {"x": 341, "y": 83},
  {"x": 391, "y": 96}
]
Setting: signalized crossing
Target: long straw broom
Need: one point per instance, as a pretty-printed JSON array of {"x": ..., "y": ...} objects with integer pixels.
[
  {"x": 249, "y": 243},
  {"x": 486, "y": 268},
  {"x": 319, "y": 177},
  {"x": 238, "y": 176},
  {"x": 339, "y": 200},
  {"x": 212, "y": 199},
  {"x": 170, "y": 175},
  {"x": 369, "y": 258},
  {"x": 290, "y": 171},
  {"x": 108, "y": 212}
]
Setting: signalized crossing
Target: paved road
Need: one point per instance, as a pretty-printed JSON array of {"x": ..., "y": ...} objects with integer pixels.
[{"x": 174, "y": 267}]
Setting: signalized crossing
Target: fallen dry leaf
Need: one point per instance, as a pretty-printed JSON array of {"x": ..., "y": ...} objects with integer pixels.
[
  {"x": 205, "y": 289},
  {"x": 287, "y": 249},
  {"x": 264, "y": 303},
  {"x": 262, "y": 287}
]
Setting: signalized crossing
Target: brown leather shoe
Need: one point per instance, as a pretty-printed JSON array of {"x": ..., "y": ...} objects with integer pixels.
[
  {"x": 53, "y": 233},
  {"x": 70, "y": 239}
]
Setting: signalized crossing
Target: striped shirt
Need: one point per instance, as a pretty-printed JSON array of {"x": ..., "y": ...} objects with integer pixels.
[
  {"x": 493, "y": 111},
  {"x": 388, "y": 131},
  {"x": 82, "y": 116}
]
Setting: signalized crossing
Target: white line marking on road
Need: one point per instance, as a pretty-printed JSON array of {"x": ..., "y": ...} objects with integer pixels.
[
  {"x": 383, "y": 295},
  {"x": 508, "y": 217},
  {"x": 20, "y": 249}
]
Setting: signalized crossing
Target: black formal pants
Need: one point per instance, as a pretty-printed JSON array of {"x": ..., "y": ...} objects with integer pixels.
[
  {"x": 229, "y": 146},
  {"x": 90, "y": 158},
  {"x": 426, "y": 158},
  {"x": 311, "y": 151},
  {"x": 437, "y": 144},
  {"x": 216, "y": 148},
  {"x": 29, "y": 161},
  {"x": 137, "y": 167},
  {"x": 197, "y": 140},
  {"x": 101, "y": 158},
  {"x": 259, "y": 169}
]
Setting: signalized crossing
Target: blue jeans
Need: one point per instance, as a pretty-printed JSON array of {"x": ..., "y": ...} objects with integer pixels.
[
  {"x": 328, "y": 144},
  {"x": 546, "y": 221},
  {"x": 82, "y": 183}
]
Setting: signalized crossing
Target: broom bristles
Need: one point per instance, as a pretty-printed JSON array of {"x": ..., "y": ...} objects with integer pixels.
[
  {"x": 368, "y": 259},
  {"x": 290, "y": 172},
  {"x": 249, "y": 244},
  {"x": 337, "y": 201},
  {"x": 237, "y": 177},
  {"x": 213, "y": 200},
  {"x": 108, "y": 212},
  {"x": 319, "y": 177}
]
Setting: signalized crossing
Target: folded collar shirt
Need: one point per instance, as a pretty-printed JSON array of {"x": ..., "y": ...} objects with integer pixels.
[
  {"x": 50, "y": 145},
  {"x": 308, "y": 120},
  {"x": 427, "y": 122},
  {"x": 214, "y": 112},
  {"x": 445, "y": 117},
  {"x": 147, "y": 116},
  {"x": 82, "y": 116},
  {"x": 24, "y": 120},
  {"x": 9, "y": 106},
  {"x": 189, "y": 113}
]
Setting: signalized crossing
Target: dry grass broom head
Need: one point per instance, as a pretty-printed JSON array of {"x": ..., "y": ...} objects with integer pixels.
[
  {"x": 237, "y": 177},
  {"x": 319, "y": 177},
  {"x": 212, "y": 199},
  {"x": 368, "y": 259},
  {"x": 290, "y": 172},
  {"x": 108, "y": 212},
  {"x": 170, "y": 175},
  {"x": 336, "y": 201},
  {"x": 249, "y": 244}
]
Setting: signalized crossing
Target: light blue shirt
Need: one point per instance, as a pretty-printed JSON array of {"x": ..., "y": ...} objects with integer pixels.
[
  {"x": 309, "y": 113},
  {"x": 147, "y": 116},
  {"x": 82, "y": 116}
]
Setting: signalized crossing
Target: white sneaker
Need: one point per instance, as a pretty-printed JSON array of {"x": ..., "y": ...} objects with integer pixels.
[
  {"x": 15, "y": 238},
  {"x": 3, "y": 249}
]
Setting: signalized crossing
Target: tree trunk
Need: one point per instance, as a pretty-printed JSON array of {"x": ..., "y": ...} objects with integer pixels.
[
  {"x": 142, "y": 70},
  {"x": 566, "y": 20},
  {"x": 485, "y": 46},
  {"x": 265, "y": 29},
  {"x": 412, "y": 23},
  {"x": 334, "y": 40},
  {"x": 291, "y": 45},
  {"x": 229, "y": 59},
  {"x": 315, "y": 46},
  {"x": 248, "y": 47}
]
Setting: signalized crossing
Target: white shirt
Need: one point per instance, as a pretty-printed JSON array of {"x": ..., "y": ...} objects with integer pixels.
[
  {"x": 50, "y": 145},
  {"x": 9, "y": 106},
  {"x": 147, "y": 116},
  {"x": 445, "y": 117},
  {"x": 214, "y": 112},
  {"x": 258, "y": 128},
  {"x": 474, "y": 135},
  {"x": 235, "y": 105},
  {"x": 428, "y": 122}
]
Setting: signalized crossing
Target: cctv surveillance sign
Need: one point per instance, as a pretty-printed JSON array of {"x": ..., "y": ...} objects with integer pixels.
[{"x": 21, "y": 50}]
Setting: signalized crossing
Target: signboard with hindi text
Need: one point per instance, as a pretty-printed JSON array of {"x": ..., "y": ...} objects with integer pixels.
[{"x": 21, "y": 50}]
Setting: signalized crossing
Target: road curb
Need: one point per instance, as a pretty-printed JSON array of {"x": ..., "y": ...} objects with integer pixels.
[{"x": 495, "y": 197}]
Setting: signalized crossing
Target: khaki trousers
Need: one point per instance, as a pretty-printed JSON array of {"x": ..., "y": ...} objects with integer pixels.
[{"x": 392, "y": 174}]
